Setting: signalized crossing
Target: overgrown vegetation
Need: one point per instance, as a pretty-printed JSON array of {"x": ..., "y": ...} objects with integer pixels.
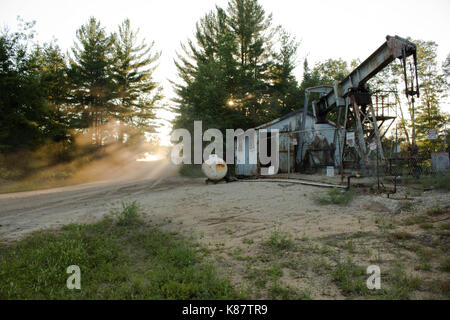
[
  {"x": 335, "y": 196},
  {"x": 438, "y": 181},
  {"x": 120, "y": 257}
]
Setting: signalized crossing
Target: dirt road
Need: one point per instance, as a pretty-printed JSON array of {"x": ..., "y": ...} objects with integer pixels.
[{"x": 23, "y": 212}]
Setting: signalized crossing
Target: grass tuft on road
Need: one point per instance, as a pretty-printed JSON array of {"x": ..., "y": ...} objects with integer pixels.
[{"x": 120, "y": 257}]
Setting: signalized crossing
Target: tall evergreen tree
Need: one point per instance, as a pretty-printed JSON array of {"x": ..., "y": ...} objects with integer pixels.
[
  {"x": 446, "y": 68},
  {"x": 136, "y": 92},
  {"x": 92, "y": 80},
  {"x": 23, "y": 111},
  {"x": 232, "y": 76},
  {"x": 433, "y": 89},
  {"x": 286, "y": 95},
  {"x": 253, "y": 32},
  {"x": 209, "y": 72},
  {"x": 51, "y": 66}
]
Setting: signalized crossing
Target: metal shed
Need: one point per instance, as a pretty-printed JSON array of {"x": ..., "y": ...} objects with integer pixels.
[{"x": 293, "y": 153}]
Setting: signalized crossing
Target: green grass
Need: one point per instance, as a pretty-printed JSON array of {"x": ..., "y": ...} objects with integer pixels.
[
  {"x": 426, "y": 226},
  {"x": 350, "y": 278},
  {"x": 279, "y": 241},
  {"x": 395, "y": 284},
  {"x": 401, "y": 285},
  {"x": 383, "y": 224},
  {"x": 445, "y": 226},
  {"x": 335, "y": 196},
  {"x": 129, "y": 214},
  {"x": 278, "y": 291},
  {"x": 349, "y": 245},
  {"x": 440, "y": 287},
  {"x": 435, "y": 210},
  {"x": 260, "y": 276},
  {"x": 438, "y": 181},
  {"x": 120, "y": 257},
  {"x": 406, "y": 206},
  {"x": 416, "y": 219}
]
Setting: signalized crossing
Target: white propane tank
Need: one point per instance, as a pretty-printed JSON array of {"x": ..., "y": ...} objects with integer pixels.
[{"x": 214, "y": 168}]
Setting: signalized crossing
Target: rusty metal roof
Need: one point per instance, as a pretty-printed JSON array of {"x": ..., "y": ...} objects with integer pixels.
[{"x": 288, "y": 115}]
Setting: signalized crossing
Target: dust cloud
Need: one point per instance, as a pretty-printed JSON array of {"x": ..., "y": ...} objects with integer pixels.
[{"x": 117, "y": 159}]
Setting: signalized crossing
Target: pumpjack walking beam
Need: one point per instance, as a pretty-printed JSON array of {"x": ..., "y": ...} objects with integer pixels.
[
  {"x": 353, "y": 88},
  {"x": 393, "y": 48}
]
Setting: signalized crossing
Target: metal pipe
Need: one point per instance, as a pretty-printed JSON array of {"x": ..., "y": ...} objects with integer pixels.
[
  {"x": 308, "y": 183},
  {"x": 348, "y": 180},
  {"x": 395, "y": 187},
  {"x": 288, "y": 154}
]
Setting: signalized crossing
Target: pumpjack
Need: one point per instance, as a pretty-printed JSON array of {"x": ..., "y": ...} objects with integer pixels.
[{"x": 350, "y": 102}]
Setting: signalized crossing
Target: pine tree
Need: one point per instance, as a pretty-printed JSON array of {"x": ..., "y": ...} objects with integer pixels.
[
  {"x": 23, "y": 111},
  {"x": 232, "y": 75},
  {"x": 433, "y": 89},
  {"x": 286, "y": 95},
  {"x": 51, "y": 67},
  {"x": 253, "y": 33},
  {"x": 92, "y": 80},
  {"x": 136, "y": 93}
]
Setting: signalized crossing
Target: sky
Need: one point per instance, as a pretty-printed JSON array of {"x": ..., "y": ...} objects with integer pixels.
[{"x": 326, "y": 29}]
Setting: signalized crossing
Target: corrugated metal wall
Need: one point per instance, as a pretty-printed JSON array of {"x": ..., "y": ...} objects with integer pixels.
[
  {"x": 289, "y": 128},
  {"x": 242, "y": 157}
]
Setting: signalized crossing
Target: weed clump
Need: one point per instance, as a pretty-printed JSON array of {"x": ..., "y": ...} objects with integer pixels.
[
  {"x": 335, "y": 196},
  {"x": 435, "y": 210},
  {"x": 439, "y": 181},
  {"x": 350, "y": 278},
  {"x": 129, "y": 215},
  {"x": 279, "y": 241}
]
